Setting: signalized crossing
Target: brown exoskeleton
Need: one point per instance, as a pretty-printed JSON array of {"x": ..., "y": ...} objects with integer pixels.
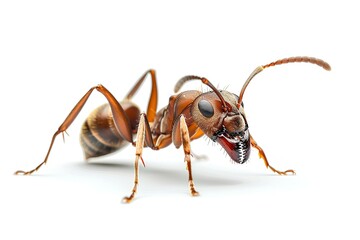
[{"x": 218, "y": 114}]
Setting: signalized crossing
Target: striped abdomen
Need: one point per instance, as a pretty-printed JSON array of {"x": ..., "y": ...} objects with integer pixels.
[{"x": 99, "y": 135}]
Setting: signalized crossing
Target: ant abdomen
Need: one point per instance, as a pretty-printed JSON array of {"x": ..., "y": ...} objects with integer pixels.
[{"x": 99, "y": 135}]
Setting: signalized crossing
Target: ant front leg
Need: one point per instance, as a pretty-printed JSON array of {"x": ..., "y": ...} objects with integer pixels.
[
  {"x": 263, "y": 156},
  {"x": 184, "y": 131}
]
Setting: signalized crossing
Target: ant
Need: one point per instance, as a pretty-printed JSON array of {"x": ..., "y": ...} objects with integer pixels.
[{"x": 218, "y": 114}]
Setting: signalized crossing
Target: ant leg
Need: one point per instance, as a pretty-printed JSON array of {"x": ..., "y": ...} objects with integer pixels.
[
  {"x": 186, "y": 146},
  {"x": 143, "y": 136},
  {"x": 263, "y": 156},
  {"x": 152, "y": 106},
  {"x": 140, "y": 137},
  {"x": 120, "y": 119}
]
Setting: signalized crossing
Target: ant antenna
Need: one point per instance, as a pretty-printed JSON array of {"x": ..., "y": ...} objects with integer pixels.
[
  {"x": 226, "y": 107},
  {"x": 257, "y": 70}
]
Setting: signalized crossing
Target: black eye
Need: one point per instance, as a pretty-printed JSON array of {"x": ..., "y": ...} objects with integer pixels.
[{"x": 206, "y": 108}]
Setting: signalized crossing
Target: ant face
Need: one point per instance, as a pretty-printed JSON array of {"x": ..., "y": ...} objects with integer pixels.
[{"x": 228, "y": 128}]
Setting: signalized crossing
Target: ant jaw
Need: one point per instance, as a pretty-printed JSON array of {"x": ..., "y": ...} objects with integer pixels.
[{"x": 237, "y": 145}]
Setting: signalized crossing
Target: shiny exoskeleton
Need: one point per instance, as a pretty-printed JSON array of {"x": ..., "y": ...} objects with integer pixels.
[{"x": 218, "y": 114}]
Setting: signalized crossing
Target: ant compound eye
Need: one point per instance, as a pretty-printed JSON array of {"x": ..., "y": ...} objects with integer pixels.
[{"x": 206, "y": 108}]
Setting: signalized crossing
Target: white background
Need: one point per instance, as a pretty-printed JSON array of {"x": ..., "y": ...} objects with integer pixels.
[{"x": 304, "y": 117}]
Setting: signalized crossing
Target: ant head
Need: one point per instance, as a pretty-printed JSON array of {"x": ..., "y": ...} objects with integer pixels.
[{"x": 217, "y": 115}]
